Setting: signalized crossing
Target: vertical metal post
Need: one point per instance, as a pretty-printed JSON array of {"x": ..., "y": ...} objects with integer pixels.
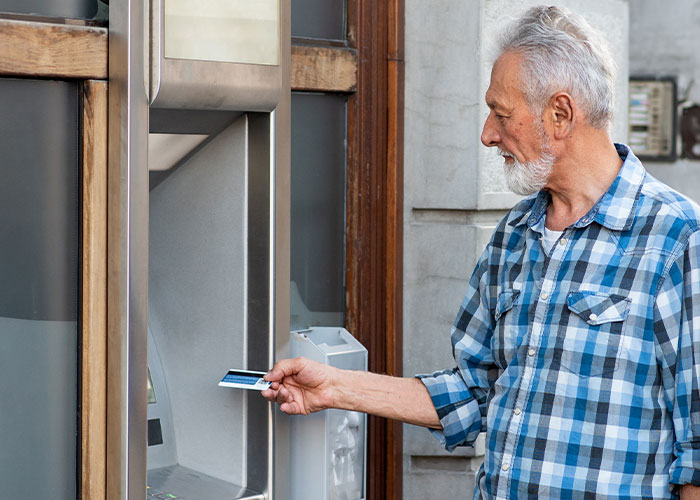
[
  {"x": 282, "y": 188},
  {"x": 127, "y": 252}
]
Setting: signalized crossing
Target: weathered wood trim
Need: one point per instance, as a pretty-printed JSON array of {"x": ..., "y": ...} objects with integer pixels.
[
  {"x": 374, "y": 248},
  {"x": 48, "y": 50},
  {"x": 324, "y": 69},
  {"x": 94, "y": 292}
]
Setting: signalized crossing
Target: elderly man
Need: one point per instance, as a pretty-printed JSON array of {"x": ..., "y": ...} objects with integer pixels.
[{"x": 578, "y": 343}]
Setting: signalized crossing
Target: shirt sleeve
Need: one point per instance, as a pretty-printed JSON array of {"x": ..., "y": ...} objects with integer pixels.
[
  {"x": 677, "y": 327},
  {"x": 460, "y": 394}
]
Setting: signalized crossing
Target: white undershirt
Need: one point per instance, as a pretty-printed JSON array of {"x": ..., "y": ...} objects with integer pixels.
[{"x": 550, "y": 238}]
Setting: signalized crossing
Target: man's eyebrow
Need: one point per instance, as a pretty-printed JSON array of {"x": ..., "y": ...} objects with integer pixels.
[{"x": 494, "y": 105}]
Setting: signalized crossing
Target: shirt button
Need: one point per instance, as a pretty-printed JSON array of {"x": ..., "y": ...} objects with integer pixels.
[
  {"x": 505, "y": 466},
  {"x": 544, "y": 295},
  {"x": 517, "y": 411},
  {"x": 563, "y": 241},
  {"x": 593, "y": 317},
  {"x": 531, "y": 352}
]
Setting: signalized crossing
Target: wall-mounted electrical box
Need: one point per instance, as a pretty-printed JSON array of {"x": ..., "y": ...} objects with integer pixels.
[{"x": 652, "y": 118}]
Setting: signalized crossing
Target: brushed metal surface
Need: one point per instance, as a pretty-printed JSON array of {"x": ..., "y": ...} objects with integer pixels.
[
  {"x": 128, "y": 253},
  {"x": 190, "y": 84}
]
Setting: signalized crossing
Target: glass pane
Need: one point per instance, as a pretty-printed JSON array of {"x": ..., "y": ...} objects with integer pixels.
[
  {"x": 223, "y": 30},
  {"x": 318, "y": 210},
  {"x": 84, "y": 9},
  {"x": 319, "y": 19},
  {"x": 39, "y": 245}
]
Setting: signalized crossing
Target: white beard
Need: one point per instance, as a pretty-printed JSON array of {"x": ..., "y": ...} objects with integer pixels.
[{"x": 530, "y": 177}]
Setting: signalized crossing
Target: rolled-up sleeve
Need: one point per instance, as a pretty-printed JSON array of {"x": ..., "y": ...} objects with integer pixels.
[
  {"x": 460, "y": 394},
  {"x": 457, "y": 409}
]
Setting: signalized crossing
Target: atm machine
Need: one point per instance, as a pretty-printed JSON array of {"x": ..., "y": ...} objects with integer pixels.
[{"x": 218, "y": 136}]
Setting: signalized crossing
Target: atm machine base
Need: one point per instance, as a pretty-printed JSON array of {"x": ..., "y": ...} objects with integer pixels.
[{"x": 192, "y": 485}]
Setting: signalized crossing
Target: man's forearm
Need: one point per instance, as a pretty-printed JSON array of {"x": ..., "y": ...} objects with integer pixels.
[
  {"x": 404, "y": 399},
  {"x": 690, "y": 492}
]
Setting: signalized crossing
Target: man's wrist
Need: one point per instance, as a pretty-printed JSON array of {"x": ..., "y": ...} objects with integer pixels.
[{"x": 335, "y": 379}]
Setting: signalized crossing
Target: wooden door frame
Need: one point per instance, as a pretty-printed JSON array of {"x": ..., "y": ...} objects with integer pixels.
[
  {"x": 375, "y": 217},
  {"x": 369, "y": 69},
  {"x": 93, "y": 413}
]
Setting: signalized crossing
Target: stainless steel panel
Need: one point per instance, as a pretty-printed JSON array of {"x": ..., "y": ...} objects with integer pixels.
[
  {"x": 192, "y": 84},
  {"x": 261, "y": 299},
  {"x": 128, "y": 253},
  {"x": 279, "y": 459}
]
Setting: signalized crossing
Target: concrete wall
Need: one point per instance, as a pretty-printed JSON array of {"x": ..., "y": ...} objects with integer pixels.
[
  {"x": 664, "y": 41},
  {"x": 455, "y": 192}
]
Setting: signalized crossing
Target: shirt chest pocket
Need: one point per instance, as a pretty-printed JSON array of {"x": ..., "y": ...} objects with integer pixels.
[
  {"x": 510, "y": 327},
  {"x": 592, "y": 338}
]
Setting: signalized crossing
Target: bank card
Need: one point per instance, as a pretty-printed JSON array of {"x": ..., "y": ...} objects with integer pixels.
[{"x": 245, "y": 379}]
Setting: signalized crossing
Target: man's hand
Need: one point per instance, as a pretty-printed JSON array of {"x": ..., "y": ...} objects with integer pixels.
[{"x": 300, "y": 386}]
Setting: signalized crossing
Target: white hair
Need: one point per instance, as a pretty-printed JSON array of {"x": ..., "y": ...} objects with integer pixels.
[{"x": 561, "y": 51}]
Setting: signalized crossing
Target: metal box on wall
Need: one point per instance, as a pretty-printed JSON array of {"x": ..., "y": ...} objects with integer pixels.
[{"x": 328, "y": 447}]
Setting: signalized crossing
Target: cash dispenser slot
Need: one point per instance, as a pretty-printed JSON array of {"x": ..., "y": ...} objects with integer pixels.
[{"x": 209, "y": 297}]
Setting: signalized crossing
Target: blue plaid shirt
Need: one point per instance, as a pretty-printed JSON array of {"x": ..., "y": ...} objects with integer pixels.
[{"x": 582, "y": 364}]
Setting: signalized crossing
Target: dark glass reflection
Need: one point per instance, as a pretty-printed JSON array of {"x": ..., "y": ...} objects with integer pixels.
[
  {"x": 39, "y": 256},
  {"x": 318, "y": 210},
  {"x": 82, "y": 9},
  {"x": 319, "y": 19}
]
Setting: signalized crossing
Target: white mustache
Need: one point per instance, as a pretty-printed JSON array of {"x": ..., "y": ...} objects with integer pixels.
[{"x": 505, "y": 154}]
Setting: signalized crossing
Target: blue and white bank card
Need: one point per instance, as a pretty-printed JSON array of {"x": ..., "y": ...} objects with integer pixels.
[{"x": 245, "y": 379}]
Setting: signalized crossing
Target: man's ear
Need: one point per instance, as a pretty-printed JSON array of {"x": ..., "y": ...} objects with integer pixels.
[{"x": 563, "y": 112}]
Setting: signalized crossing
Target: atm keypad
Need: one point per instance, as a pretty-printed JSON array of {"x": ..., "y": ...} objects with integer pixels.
[{"x": 152, "y": 494}]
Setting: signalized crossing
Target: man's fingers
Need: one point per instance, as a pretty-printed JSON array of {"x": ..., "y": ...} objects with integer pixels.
[
  {"x": 284, "y": 368},
  {"x": 270, "y": 394},
  {"x": 290, "y": 408},
  {"x": 284, "y": 396}
]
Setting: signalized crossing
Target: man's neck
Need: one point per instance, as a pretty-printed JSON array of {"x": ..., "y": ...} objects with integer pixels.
[{"x": 580, "y": 177}]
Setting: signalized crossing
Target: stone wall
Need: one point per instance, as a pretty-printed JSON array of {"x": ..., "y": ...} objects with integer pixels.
[{"x": 455, "y": 192}]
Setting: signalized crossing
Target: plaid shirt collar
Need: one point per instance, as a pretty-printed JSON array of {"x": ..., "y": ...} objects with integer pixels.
[{"x": 615, "y": 210}]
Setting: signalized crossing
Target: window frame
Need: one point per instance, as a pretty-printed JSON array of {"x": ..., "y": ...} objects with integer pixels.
[
  {"x": 75, "y": 51},
  {"x": 369, "y": 68}
]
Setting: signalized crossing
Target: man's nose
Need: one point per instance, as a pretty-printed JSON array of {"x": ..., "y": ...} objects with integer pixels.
[{"x": 489, "y": 134}]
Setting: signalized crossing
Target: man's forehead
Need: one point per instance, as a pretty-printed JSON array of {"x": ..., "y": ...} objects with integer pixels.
[
  {"x": 504, "y": 86},
  {"x": 497, "y": 96}
]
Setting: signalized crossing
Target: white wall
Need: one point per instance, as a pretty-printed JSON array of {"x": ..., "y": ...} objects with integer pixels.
[{"x": 455, "y": 194}]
